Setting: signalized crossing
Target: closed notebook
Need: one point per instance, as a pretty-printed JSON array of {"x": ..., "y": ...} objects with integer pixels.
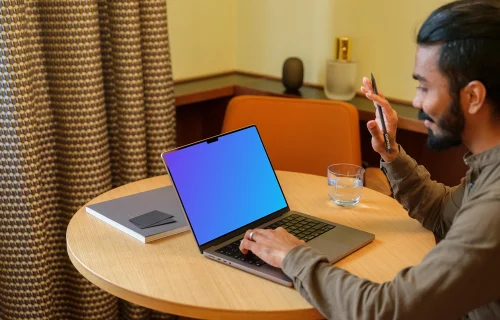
[{"x": 155, "y": 214}]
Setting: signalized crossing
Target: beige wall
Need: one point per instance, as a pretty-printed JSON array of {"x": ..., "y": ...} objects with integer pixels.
[
  {"x": 258, "y": 35},
  {"x": 269, "y": 31},
  {"x": 383, "y": 34},
  {"x": 202, "y": 36}
]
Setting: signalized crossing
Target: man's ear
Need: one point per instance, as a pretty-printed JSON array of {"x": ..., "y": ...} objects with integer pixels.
[{"x": 473, "y": 96}]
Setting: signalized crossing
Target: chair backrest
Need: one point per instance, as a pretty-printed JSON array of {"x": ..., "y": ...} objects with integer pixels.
[{"x": 300, "y": 135}]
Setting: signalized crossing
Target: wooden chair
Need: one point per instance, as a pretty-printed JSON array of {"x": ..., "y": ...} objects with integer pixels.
[{"x": 304, "y": 135}]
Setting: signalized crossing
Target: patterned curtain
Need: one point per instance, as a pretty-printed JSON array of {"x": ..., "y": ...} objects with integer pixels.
[{"x": 87, "y": 105}]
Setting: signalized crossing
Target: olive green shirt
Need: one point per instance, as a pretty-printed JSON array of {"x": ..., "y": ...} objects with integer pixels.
[{"x": 459, "y": 276}]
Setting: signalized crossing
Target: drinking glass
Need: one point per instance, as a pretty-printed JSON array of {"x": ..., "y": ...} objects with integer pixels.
[{"x": 345, "y": 183}]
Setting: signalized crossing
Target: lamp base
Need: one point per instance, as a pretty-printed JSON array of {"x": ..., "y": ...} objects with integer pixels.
[{"x": 340, "y": 80}]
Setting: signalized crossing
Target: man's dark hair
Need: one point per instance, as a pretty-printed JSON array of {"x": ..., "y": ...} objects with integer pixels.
[{"x": 469, "y": 34}]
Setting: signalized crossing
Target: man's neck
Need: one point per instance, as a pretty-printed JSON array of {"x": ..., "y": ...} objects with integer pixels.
[{"x": 483, "y": 138}]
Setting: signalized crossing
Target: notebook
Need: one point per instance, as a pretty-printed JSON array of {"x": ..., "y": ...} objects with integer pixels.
[{"x": 146, "y": 216}]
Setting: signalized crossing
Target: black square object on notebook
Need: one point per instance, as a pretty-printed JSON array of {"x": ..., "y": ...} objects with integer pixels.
[
  {"x": 152, "y": 219},
  {"x": 162, "y": 222}
]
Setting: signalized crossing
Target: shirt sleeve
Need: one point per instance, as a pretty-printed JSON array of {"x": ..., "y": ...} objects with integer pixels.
[
  {"x": 456, "y": 276},
  {"x": 433, "y": 204}
]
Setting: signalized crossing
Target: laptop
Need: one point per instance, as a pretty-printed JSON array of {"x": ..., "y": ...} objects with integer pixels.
[{"x": 227, "y": 185}]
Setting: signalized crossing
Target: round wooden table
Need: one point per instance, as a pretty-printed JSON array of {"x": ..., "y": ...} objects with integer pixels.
[{"x": 171, "y": 275}]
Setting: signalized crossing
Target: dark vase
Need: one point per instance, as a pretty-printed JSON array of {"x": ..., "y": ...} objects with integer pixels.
[{"x": 293, "y": 74}]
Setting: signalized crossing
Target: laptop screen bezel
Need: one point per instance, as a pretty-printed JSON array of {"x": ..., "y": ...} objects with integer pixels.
[{"x": 244, "y": 228}]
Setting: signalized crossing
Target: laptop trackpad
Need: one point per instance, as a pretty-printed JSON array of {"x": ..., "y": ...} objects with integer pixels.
[{"x": 340, "y": 241}]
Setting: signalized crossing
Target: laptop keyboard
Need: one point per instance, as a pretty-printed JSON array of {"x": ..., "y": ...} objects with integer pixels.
[{"x": 303, "y": 228}]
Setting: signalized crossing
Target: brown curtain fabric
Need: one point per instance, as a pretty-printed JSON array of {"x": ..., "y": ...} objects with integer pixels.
[{"x": 87, "y": 105}]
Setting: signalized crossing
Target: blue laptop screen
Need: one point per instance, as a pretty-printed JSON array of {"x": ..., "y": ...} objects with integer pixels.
[{"x": 225, "y": 184}]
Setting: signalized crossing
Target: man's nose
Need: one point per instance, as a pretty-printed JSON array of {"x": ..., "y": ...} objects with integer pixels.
[{"x": 417, "y": 102}]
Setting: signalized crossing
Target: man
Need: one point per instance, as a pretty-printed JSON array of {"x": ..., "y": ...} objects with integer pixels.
[{"x": 458, "y": 69}]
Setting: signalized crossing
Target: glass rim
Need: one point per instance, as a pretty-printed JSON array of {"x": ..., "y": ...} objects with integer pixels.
[{"x": 362, "y": 171}]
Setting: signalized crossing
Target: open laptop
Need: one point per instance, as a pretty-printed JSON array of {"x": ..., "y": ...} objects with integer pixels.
[{"x": 227, "y": 185}]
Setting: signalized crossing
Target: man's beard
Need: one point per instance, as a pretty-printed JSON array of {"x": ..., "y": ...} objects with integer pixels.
[{"x": 450, "y": 127}]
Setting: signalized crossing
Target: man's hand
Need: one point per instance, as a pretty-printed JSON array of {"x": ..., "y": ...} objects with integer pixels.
[
  {"x": 270, "y": 245},
  {"x": 375, "y": 127}
]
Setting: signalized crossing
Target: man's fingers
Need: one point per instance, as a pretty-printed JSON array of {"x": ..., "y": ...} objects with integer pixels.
[
  {"x": 256, "y": 247},
  {"x": 263, "y": 233},
  {"x": 377, "y": 99},
  {"x": 247, "y": 234},
  {"x": 281, "y": 230},
  {"x": 375, "y": 131},
  {"x": 245, "y": 238},
  {"x": 389, "y": 113},
  {"x": 253, "y": 233},
  {"x": 246, "y": 245},
  {"x": 263, "y": 236},
  {"x": 386, "y": 106},
  {"x": 368, "y": 84}
]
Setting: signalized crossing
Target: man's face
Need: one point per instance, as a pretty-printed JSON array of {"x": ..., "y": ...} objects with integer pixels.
[{"x": 441, "y": 113}]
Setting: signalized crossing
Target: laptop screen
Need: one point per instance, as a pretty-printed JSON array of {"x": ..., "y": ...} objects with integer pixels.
[{"x": 225, "y": 183}]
